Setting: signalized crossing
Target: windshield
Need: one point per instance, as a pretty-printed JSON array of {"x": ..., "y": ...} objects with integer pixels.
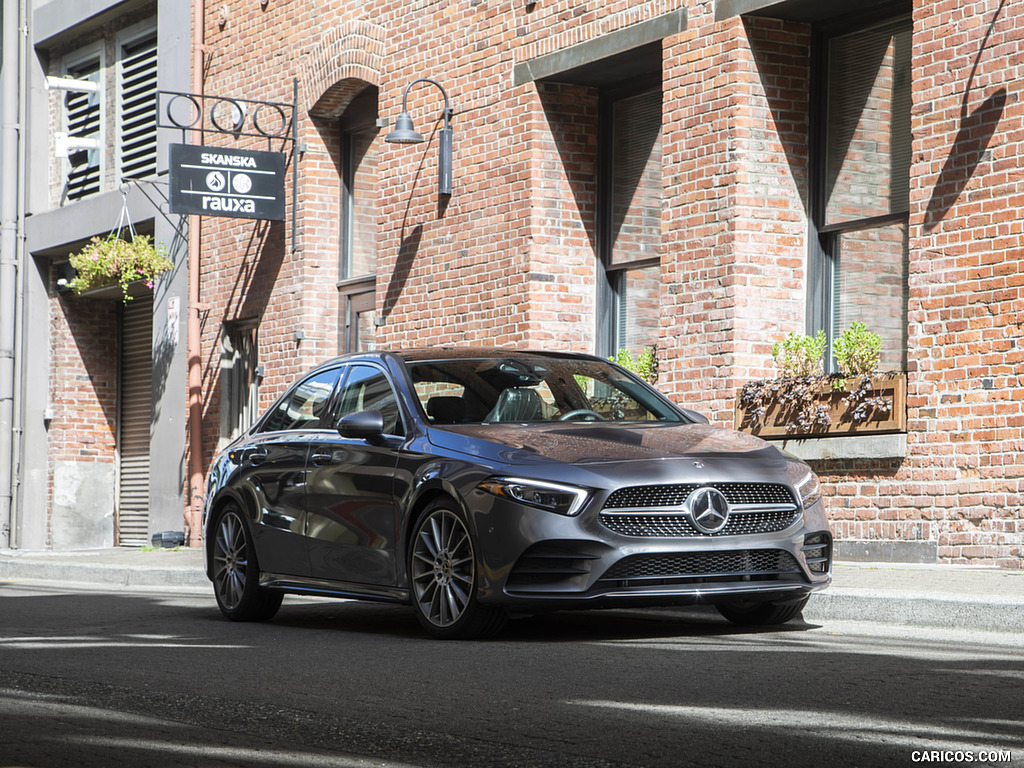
[{"x": 533, "y": 389}]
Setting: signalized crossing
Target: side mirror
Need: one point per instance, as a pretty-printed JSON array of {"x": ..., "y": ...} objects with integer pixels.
[
  {"x": 695, "y": 416},
  {"x": 364, "y": 425}
]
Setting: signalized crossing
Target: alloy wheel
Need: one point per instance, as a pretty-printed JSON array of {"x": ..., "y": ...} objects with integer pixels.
[
  {"x": 442, "y": 568},
  {"x": 230, "y": 561}
]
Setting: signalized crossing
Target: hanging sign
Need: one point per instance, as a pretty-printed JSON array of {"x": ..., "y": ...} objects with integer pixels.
[{"x": 219, "y": 181}]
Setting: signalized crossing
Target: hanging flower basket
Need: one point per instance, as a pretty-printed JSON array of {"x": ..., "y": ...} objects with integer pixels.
[{"x": 113, "y": 261}]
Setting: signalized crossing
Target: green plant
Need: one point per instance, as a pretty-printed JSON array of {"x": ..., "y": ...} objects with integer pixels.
[
  {"x": 798, "y": 355},
  {"x": 797, "y": 391},
  {"x": 857, "y": 351},
  {"x": 644, "y": 365},
  {"x": 113, "y": 260}
]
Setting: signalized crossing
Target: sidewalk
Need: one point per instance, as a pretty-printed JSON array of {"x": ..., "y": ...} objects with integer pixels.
[{"x": 921, "y": 595}]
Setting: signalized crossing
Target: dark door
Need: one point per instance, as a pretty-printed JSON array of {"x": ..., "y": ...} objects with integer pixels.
[
  {"x": 273, "y": 467},
  {"x": 352, "y": 519}
]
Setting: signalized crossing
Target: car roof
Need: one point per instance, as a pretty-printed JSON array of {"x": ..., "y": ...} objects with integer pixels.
[
  {"x": 423, "y": 354},
  {"x": 420, "y": 354}
]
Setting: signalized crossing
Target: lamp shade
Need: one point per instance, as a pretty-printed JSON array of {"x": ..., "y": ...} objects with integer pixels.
[{"x": 404, "y": 132}]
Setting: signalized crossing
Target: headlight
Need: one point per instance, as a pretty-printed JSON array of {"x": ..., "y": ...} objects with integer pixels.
[
  {"x": 563, "y": 499},
  {"x": 805, "y": 483}
]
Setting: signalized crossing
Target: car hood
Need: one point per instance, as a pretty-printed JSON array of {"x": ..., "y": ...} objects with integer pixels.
[{"x": 587, "y": 443}]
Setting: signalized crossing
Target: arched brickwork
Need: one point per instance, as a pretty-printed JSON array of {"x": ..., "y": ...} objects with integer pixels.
[{"x": 347, "y": 58}]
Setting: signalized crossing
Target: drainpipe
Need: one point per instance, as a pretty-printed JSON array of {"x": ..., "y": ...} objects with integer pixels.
[
  {"x": 9, "y": 145},
  {"x": 193, "y": 525}
]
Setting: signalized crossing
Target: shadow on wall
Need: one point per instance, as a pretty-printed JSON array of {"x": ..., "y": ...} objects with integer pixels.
[
  {"x": 976, "y": 131},
  {"x": 967, "y": 151},
  {"x": 572, "y": 115},
  {"x": 789, "y": 107},
  {"x": 93, "y": 326},
  {"x": 407, "y": 251},
  {"x": 163, "y": 343},
  {"x": 256, "y": 279}
]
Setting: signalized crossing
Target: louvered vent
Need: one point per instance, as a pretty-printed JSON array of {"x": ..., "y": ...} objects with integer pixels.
[
  {"x": 136, "y": 421},
  {"x": 137, "y": 108},
  {"x": 84, "y": 115}
]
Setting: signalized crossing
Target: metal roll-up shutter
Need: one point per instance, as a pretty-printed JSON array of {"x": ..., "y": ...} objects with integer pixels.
[{"x": 136, "y": 416}]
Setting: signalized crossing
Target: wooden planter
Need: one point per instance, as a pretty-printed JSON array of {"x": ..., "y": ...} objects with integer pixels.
[{"x": 778, "y": 418}]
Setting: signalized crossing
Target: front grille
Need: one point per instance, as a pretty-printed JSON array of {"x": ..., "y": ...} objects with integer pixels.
[
  {"x": 633, "y": 524},
  {"x": 735, "y": 565},
  {"x": 657, "y": 510},
  {"x": 643, "y": 496}
]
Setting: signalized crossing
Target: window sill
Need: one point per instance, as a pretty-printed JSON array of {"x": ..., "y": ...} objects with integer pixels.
[{"x": 852, "y": 447}]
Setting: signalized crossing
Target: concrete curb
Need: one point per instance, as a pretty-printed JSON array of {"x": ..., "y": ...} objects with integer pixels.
[
  {"x": 123, "y": 568},
  {"x": 114, "y": 575},
  {"x": 974, "y": 612},
  {"x": 953, "y": 597}
]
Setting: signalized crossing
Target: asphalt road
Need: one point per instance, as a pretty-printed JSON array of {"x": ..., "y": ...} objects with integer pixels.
[{"x": 136, "y": 678}]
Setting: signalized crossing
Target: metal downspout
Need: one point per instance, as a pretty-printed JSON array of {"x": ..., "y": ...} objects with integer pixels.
[
  {"x": 194, "y": 512},
  {"x": 9, "y": 145},
  {"x": 21, "y": 312}
]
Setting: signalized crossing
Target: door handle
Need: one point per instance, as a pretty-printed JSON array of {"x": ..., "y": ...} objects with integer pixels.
[
  {"x": 321, "y": 459},
  {"x": 257, "y": 456}
]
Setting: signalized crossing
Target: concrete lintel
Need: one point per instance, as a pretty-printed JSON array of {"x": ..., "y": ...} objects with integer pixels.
[
  {"x": 62, "y": 230},
  {"x": 602, "y": 47},
  {"x": 855, "y": 447},
  {"x": 726, "y": 9},
  {"x": 60, "y": 20},
  {"x": 805, "y": 11}
]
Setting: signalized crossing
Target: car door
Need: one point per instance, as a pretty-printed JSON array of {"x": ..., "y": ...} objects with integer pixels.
[
  {"x": 352, "y": 517},
  {"x": 273, "y": 473}
]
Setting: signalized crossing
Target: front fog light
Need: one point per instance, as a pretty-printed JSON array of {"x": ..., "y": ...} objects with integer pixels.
[{"x": 563, "y": 499}]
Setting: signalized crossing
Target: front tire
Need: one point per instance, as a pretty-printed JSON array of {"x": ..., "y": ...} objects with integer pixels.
[
  {"x": 764, "y": 614},
  {"x": 442, "y": 578},
  {"x": 236, "y": 573}
]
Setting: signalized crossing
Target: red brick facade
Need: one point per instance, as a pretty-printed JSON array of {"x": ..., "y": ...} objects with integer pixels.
[{"x": 511, "y": 257}]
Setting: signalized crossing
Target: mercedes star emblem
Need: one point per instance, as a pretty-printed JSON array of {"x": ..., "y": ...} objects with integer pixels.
[{"x": 708, "y": 509}]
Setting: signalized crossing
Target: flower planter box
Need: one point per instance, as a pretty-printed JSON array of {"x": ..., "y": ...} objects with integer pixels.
[{"x": 779, "y": 419}]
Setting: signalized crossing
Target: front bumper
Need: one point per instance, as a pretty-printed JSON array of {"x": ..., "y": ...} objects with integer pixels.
[{"x": 533, "y": 559}]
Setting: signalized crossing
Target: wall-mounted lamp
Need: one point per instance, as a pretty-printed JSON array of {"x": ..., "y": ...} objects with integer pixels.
[
  {"x": 66, "y": 145},
  {"x": 405, "y": 133},
  {"x": 70, "y": 84}
]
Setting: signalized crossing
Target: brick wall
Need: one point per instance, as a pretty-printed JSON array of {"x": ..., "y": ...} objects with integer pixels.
[
  {"x": 966, "y": 345},
  {"x": 735, "y": 217},
  {"x": 83, "y": 390},
  {"x": 510, "y": 258}
]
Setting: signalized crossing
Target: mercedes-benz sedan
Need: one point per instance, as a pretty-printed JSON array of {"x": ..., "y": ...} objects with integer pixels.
[{"x": 475, "y": 483}]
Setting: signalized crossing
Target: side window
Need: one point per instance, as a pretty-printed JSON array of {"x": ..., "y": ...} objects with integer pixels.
[
  {"x": 305, "y": 405},
  {"x": 366, "y": 388},
  {"x": 630, "y": 192}
]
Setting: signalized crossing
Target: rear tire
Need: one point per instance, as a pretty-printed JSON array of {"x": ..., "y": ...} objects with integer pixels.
[
  {"x": 442, "y": 577},
  {"x": 749, "y": 613},
  {"x": 236, "y": 573}
]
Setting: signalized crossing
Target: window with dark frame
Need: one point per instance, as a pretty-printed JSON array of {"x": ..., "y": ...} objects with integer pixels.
[
  {"x": 239, "y": 379},
  {"x": 858, "y": 270},
  {"x": 358, "y": 226},
  {"x": 629, "y": 214}
]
